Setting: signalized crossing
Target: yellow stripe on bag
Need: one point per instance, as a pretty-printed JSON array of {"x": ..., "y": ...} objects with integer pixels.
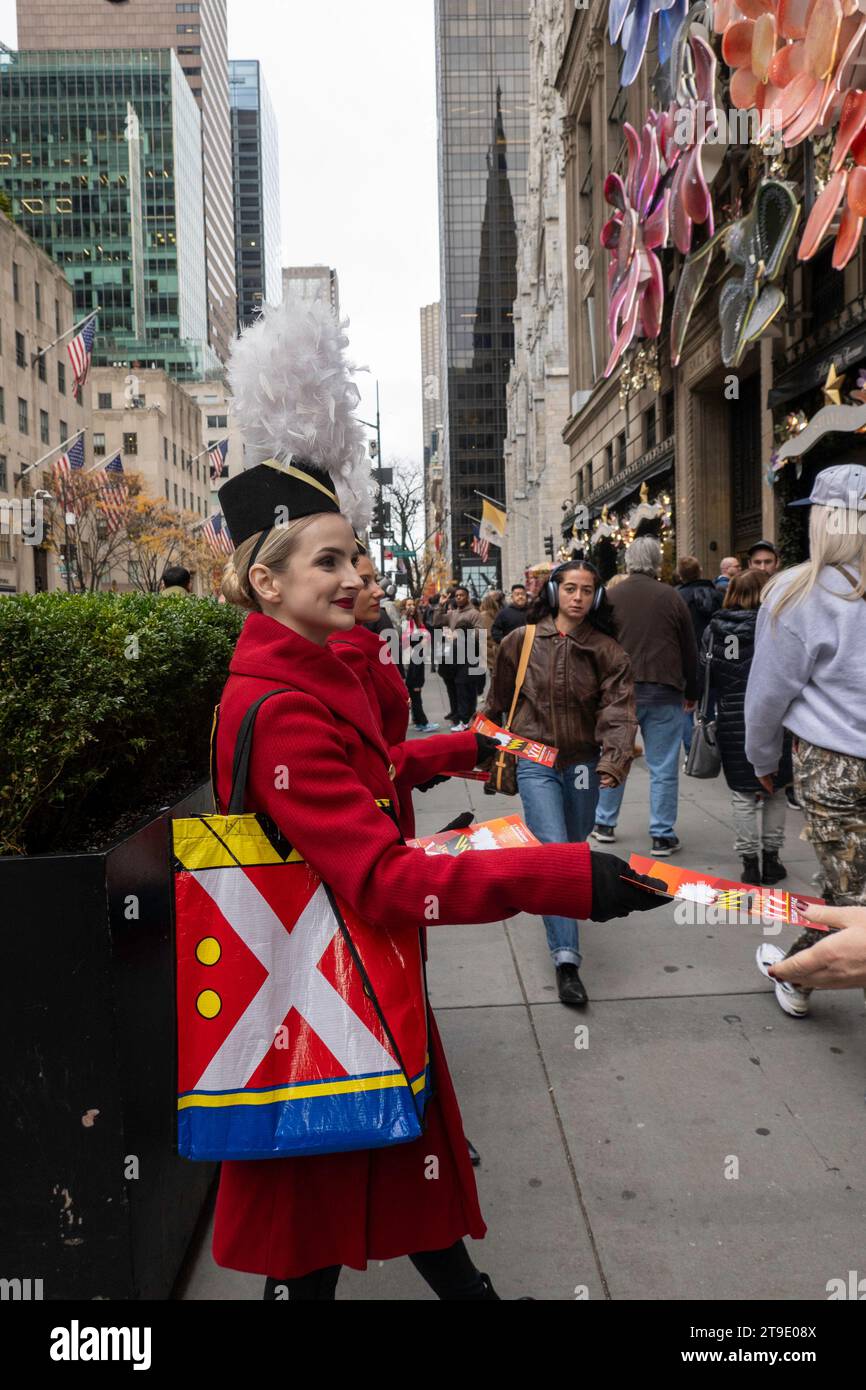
[
  {"x": 313, "y": 1089},
  {"x": 218, "y": 842}
]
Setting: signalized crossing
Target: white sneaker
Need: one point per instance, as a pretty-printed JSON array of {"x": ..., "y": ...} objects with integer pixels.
[
  {"x": 791, "y": 1000},
  {"x": 459, "y": 728}
]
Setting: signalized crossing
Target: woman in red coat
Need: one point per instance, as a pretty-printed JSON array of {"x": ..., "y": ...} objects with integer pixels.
[
  {"x": 298, "y": 1220},
  {"x": 417, "y": 761}
]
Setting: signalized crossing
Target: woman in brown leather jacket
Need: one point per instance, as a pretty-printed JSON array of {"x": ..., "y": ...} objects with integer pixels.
[{"x": 577, "y": 696}]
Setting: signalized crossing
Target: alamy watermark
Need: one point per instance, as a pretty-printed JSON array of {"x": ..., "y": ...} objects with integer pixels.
[{"x": 23, "y": 516}]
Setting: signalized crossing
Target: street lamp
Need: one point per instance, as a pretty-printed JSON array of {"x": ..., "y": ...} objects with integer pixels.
[{"x": 380, "y": 474}]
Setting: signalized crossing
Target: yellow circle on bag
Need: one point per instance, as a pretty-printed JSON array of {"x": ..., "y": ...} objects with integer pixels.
[{"x": 208, "y": 1003}]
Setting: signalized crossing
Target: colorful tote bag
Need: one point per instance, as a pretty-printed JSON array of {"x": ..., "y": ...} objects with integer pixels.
[{"x": 300, "y": 1028}]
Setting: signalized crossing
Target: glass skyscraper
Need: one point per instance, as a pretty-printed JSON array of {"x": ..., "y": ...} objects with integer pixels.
[
  {"x": 100, "y": 153},
  {"x": 482, "y": 60},
  {"x": 256, "y": 187}
]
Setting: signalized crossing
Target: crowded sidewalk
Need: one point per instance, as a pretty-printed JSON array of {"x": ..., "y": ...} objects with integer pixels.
[{"x": 609, "y": 1155}]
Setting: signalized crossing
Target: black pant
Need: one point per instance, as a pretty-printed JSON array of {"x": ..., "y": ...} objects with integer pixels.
[
  {"x": 419, "y": 718},
  {"x": 467, "y": 694},
  {"x": 450, "y": 1274},
  {"x": 447, "y": 674}
]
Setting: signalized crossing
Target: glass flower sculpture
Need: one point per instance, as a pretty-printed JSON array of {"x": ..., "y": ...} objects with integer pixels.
[{"x": 629, "y": 22}]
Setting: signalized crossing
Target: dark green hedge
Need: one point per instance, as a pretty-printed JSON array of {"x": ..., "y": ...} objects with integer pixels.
[{"x": 106, "y": 702}]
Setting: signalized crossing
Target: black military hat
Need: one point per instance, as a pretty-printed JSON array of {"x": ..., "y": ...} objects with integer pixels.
[{"x": 257, "y": 499}]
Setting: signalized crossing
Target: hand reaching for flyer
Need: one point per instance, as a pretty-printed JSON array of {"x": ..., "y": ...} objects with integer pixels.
[
  {"x": 612, "y": 896},
  {"x": 837, "y": 962}
]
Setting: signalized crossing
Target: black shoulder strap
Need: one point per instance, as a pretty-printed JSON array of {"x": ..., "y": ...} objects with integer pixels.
[{"x": 243, "y": 749}]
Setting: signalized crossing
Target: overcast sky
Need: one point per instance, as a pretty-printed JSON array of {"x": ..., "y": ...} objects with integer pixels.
[{"x": 353, "y": 84}]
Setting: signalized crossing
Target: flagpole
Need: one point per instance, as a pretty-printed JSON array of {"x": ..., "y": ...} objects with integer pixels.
[
  {"x": 500, "y": 506},
  {"x": 56, "y": 450},
  {"x": 82, "y": 324},
  {"x": 208, "y": 449}
]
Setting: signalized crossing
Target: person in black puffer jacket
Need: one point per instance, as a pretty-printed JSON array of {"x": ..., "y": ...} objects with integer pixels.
[
  {"x": 729, "y": 639},
  {"x": 703, "y": 601}
]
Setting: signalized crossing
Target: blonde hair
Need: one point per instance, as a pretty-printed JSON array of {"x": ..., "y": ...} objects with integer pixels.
[
  {"x": 835, "y": 538},
  {"x": 276, "y": 552}
]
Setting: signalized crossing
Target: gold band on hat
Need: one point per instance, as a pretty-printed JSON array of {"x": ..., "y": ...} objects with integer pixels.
[{"x": 295, "y": 472}]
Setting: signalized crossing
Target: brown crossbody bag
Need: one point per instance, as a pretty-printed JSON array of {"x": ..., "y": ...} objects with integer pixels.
[{"x": 503, "y": 774}]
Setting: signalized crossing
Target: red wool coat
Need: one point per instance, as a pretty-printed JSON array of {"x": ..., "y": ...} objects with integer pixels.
[
  {"x": 287, "y": 1217},
  {"x": 416, "y": 760}
]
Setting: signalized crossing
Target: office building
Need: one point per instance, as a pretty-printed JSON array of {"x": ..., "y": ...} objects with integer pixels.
[
  {"x": 313, "y": 282},
  {"x": 431, "y": 408},
  {"x": 482, "y": 61},
  {"x": 256, "y": 179},
  {"x": 37, "y": 408},
  {"x": 198, "y": 34}
]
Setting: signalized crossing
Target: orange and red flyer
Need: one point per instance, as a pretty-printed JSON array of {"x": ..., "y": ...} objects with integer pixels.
[
  {"x": 521, "y": 747},
  {"x": 764, "y": 903},
  {"x": 507, "y": 832}
]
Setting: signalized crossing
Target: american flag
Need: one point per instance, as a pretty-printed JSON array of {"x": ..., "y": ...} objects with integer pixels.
[
  {"x": 72, "y": 459},
  {"x": 216, "y": 533},
  {"x": 217, "y": 458},
  {"x": 80, "y": 351},
  {"x": 113, "y": 493},
  {"x": 480, "y": 547}
]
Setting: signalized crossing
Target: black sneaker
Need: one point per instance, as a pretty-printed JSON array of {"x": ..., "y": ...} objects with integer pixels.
[
  {"x": 664, "y": 846},
  {"x": 604, "y": 834},
  {"x": 774, "y": 870},
  {"x": 791, "y": 798}
]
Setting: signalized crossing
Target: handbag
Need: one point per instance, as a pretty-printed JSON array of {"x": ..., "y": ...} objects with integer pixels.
[
  {"x": 705, "y": 758},
  {"x": 503, "y": 774},
  {"x": 299, "y": 1030}
]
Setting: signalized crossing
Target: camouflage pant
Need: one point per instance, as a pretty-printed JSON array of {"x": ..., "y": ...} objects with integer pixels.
[{"x": 831, "y": 788}]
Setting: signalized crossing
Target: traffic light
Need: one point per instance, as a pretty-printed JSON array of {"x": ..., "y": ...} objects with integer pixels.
[
  {"x": 381, "y": 523},
  {"x": 374, "y": 449},
  {"x": 549, "y": 547}
]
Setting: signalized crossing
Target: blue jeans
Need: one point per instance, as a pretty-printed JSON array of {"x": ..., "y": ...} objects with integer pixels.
[
  {"x": 662, "y": 729},
  {"x": 559, "y": 809}
]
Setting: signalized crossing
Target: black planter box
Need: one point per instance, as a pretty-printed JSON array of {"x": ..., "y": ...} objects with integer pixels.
[{"x": 88, "y": 1026}]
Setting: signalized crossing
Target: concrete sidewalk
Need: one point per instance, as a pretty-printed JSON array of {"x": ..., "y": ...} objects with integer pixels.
[{"x": 608, "y": 1170}]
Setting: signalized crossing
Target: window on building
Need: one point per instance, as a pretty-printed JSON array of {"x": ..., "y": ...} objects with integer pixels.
[
  {"x": 57, "y": 328},
  {"x": 41, "y": 370},
  {"x": 174, "y": 456},
  {"x": 187, "y": 9},
  {"x": 183, "y": 491},
  {"x": 16, "y": 283},
  {"x": 217, "y": 422},
  {"x": 130, "y": 443},
  {"x": 104, "y": 398},
  {"x": 44, "y": 428},
  {"x": 175, "y": 494},
  {"x": 61, "y": 378},
  {"x": 621, "y": 452},
  {"x": 2, "y": 406},
  {"x": 165, "y": 448},
  {"x": 5, "y": 546},
  {"x": 23, "y": 423},
  {"x": 189, "y": 50},
  {"x": 188, "y": 29},
  {"x": 98, "y": 444},
  {"x": 64, "y": 431},
  {"x": 3, "y": 473},
  {"x": 608, "y": 463},
  {"x": 20, "y": 353},
  {"x": 198, "y": 503},
  {"x": 650, "y": 436},
  {"x": 37, "y": 298},
  {"x": 167, "y": 498}
]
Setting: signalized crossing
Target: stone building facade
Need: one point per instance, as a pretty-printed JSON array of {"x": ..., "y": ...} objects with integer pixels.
[
  {"x": 37, "y": 408},
  {"x": 537, "y": 459}
]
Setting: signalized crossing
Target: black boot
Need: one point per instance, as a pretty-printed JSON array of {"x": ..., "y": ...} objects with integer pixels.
[
  {"x": 483, "y": 1292},
  {"x": 774, "y": 869},
  {"x": 570, "y": 985},
  {"x": 752, "y": 870}
]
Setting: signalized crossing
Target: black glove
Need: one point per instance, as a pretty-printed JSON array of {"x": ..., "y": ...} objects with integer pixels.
[
  {"x": 462, "y": 822},
  {"x": 613, "y": 897},
  {"x": 434, "y": 782},
  {"x": 487, "y": 747}
]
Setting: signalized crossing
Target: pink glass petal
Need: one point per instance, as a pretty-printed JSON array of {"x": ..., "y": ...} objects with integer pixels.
[
  {"x": 788, "y": 63},
  {"x": 822, "y": 214},
  {"x": 794, "y": 97},
  {"x": 653, "y": 299},
  {"x": 705, "y": 70},
  {"x": 808, "y": 117},
  {"x": 633, "y": 144},
  {"x": 737, "y": 44},
  {"x": 744, "y": 89},
  {"x": 858, "y": 149},
  {"x": 655, "y": 231},
  {"x": 822, "y": 37},
  {"x": 792, "y": 15},
  {"x": 852, "y": 119},
  {"x": 648, "y": 177},
  {"x": 614, "y": 192},
  {"x": 754, "y": 8},
  {"x": 857, "y": 191},
  {"x": 851, "y": 68},
  {"x": 763, "y": 46},
  {"x": 847, "y": 238}
]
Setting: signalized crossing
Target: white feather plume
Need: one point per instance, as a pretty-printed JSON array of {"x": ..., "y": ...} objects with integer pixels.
[{"x": 293, "y": 396}]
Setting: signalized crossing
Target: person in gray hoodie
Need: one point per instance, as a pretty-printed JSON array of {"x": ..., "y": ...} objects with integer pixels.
[{"x": 809, "y": 676}]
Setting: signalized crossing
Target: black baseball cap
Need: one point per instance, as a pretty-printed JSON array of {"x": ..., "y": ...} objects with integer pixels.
[{"x": 762, "y": 545}]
